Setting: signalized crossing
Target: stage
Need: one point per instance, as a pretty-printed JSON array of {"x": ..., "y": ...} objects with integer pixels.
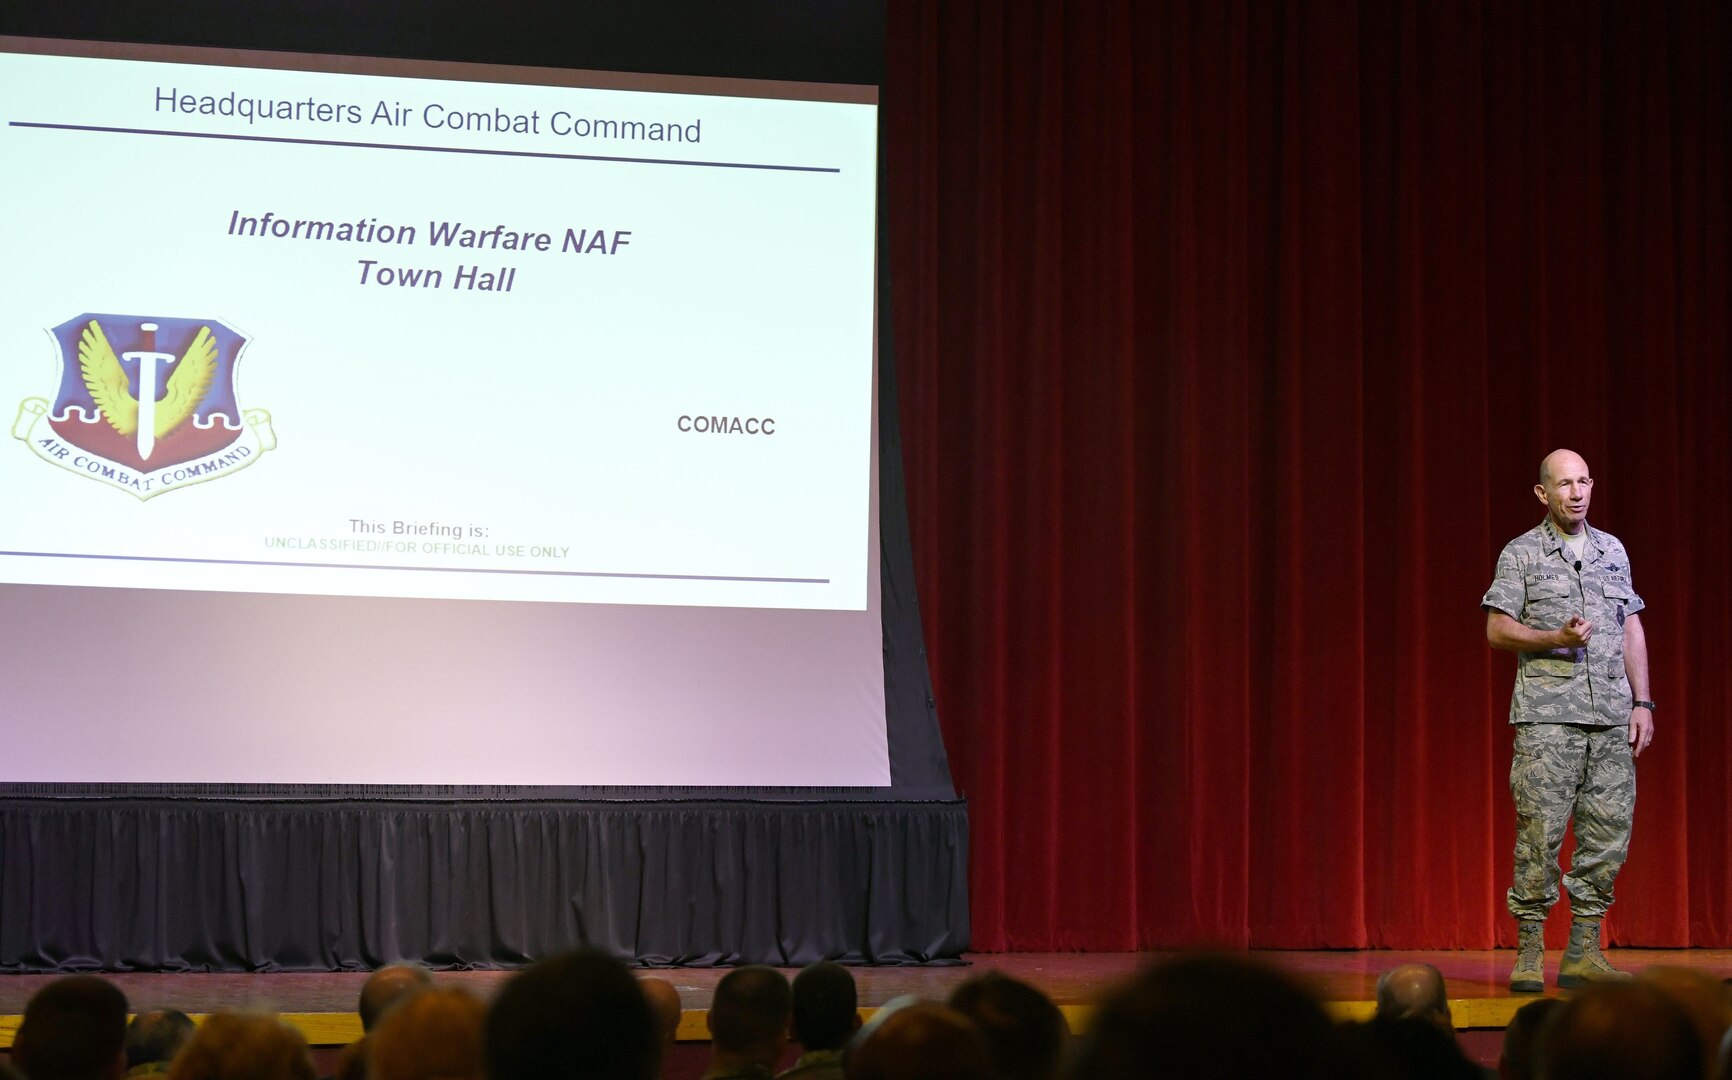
[{"x": 322, "y": 1004}]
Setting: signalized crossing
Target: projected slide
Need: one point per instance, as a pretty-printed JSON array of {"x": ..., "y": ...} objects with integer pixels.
[
  {"x": 310, "y": 332},
  {"x": 313, "y": 368}
]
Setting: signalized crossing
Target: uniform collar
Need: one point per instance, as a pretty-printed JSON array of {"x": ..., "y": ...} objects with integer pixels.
[{"x": 1554, "y": 540}]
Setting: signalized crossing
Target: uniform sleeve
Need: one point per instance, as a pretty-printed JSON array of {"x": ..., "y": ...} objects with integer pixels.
[
  {"x": 1636, "y": 602},
  {"x": 1508, "y": 592}
]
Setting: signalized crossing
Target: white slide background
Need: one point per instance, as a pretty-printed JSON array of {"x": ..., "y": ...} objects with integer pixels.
[{"x": 546, "y": 417}]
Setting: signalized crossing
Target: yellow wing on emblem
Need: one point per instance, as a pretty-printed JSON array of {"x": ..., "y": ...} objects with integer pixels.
[
  {"x": 106, "y": 380},
  {"x": 188, "y": 384}
]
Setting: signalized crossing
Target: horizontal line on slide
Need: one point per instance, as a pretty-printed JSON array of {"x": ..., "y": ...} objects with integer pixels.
[
  {"x": 425, "y": 149},
  {"x": 424, "y": 569}
]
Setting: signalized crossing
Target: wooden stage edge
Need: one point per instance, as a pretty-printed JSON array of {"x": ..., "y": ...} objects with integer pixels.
[{"x": 322, "y": 1004}]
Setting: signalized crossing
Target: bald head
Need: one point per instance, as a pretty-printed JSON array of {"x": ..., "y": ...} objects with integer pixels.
[
  {"x": 664, "y": 1001},
  {"x": 1561, "y": 463},
  {"x": 386, "y": 987},
  {"x": 1414, "y": 992}
]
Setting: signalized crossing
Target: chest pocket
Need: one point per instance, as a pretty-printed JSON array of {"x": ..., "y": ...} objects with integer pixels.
[
  {"x": 1619, "y": 596},
  {"x": 1548, "y": 601},
  {"x": 1618, "y": 593}
]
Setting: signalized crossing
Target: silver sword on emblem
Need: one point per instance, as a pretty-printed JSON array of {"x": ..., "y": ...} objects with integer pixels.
[{"x": 147, "y": 359}]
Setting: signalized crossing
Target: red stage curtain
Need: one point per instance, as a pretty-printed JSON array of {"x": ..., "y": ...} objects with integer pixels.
[{"x": 1230, "y": 336}]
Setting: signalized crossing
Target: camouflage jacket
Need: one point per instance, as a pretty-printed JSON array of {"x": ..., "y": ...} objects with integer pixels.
[{"x": 1537, "y": 583}]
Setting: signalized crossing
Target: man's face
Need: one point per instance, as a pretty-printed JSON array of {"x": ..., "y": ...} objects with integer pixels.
[{"x": 1565, "y": 489}]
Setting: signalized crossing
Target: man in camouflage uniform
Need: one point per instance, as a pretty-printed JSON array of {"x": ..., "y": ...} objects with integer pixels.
[{"x": 1562, "y": 600}]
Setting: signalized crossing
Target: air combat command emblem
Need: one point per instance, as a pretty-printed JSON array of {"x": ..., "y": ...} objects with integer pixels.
[{"x": 146, "y": 405}]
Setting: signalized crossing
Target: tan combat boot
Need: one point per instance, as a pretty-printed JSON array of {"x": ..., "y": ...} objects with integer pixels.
[
  {"x": 1584, "y": 963},
  {"x": 1529, "y": 976}
]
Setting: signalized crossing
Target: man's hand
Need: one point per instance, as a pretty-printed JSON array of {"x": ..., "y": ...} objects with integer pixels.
[
  {"x": 1575, "y": 633},
  {"x": 1641, "y": 730}
]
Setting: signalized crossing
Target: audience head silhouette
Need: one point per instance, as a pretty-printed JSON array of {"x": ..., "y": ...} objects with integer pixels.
[
  {"x": 433, "y": 1035},
  {"x": 73, "y": 1029},
  {"x": 154, "y": 1037},
  {"x": 1412, "y": 1033},
  {"x": 664, "y": 1002},
  {"x": 1024, "y": 1030},
  {"x": 352, "y": 1062},
  {"x": 826, "y": 1007},
  {"x": 386, "y": 987},
  {"x": 749, "y": 1017},
  {"x": 1414, "y": 992},
  {"x": 577, "y": 1015},
  {"x": 1208, "y": 1017},
  {"x": 1702, "y": 999},
  {"x": 243, "y": 1046},
  {"x": 1519, "y": 1059},
  {"x": 1414, "y": 1048},
  {"x": 920, "y": 1041},
  {"x": 1620, "y": 1031}
]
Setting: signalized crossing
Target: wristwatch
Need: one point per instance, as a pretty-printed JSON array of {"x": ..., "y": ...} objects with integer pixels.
[{"x": 1649, "y": 705}]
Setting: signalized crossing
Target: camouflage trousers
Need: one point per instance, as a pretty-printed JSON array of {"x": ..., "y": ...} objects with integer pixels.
[{"x": 1560, "y": 771}]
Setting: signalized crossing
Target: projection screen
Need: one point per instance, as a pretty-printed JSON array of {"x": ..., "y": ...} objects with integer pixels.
[{"x": 407, "y": 423}]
